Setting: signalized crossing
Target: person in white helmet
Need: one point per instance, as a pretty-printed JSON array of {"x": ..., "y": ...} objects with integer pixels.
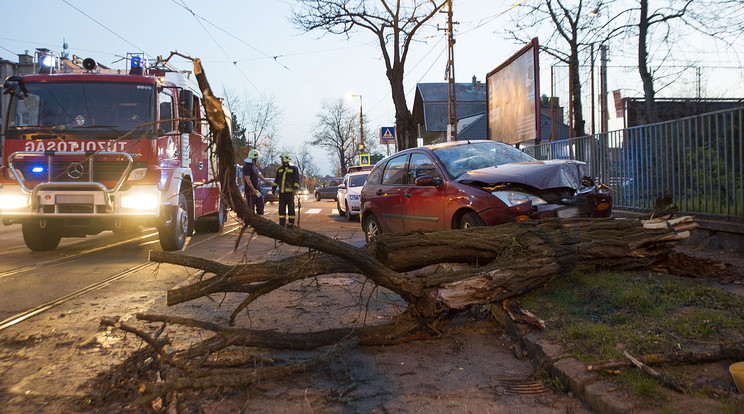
[
  {"x": 251, "y": 175},
  {"x": 288, "y": 182}
]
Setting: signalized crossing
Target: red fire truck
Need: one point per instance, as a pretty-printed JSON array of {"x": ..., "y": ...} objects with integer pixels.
[{"x": 88, "y": 152}]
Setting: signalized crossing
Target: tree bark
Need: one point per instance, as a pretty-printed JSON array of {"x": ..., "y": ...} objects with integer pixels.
[
  {"x": 648, "y": 81},
  {"x": 503, "y": 261}
]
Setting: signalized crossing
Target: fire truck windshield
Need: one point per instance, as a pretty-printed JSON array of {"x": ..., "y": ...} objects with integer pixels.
[{"x": 74, "y": 108}]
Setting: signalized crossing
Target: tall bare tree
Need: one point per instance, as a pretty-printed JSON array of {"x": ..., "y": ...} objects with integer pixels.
[
  {"x": 574, "y": 29},
  {"x": 393, "y": 23},
  {"x": 304, "y": 161},
  {"x": 715, "y": 19},
  {"x": 234, "y": 104},
  {"x": 336, "y": 131}
]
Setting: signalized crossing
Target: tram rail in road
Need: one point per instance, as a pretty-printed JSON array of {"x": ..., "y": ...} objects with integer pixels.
[{"x": 22, "y": 316}]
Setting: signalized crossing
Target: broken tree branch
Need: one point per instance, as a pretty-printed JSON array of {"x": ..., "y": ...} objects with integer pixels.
[
  {"x": 243, "y": 377},
  {"x": 735, "y": 352},
  {"x": 668, "y": 381}
]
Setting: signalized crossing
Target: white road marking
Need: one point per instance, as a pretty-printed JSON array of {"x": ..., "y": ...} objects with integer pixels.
[
  {"x": 312, "y": 211},
  {"x": 334, "y": 211}
]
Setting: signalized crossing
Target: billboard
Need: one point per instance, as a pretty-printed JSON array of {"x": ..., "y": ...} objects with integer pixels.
[{"x": 513, "y": 98}]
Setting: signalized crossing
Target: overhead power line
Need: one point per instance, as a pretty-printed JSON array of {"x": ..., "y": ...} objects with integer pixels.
[
  {"x": 105, "y": 27},
  {"x": 234, "y": 62},
  {"x": 275, "y": 57}
]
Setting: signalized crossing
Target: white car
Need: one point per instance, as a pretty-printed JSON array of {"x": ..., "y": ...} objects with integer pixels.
[{"x": 347, "y": 197}]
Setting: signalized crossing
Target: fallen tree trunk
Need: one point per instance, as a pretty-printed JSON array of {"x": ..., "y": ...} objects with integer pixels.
[
  {"x": 491, "y": 264},
  {"x": 501, "y": 262}
]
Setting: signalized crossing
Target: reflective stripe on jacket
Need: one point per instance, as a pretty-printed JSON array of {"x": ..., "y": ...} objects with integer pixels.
[{"x": 287, "y": 178}]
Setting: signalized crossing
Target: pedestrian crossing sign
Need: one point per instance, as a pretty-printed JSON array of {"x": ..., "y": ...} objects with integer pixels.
[
  {"x": 364, "y": 159},
  {"x": 387, "y": 135}
]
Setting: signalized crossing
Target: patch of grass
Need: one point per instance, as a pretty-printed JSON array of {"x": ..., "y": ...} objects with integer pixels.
[
  {"x": 642, "y": 385},
  {"x": 729, "y": 406},
  {"x": 555, "y": 384},
  {"x": 599, "y": 315}
]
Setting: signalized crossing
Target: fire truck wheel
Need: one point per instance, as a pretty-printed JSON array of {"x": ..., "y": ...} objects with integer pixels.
[
  {"x": 220, "y": 217},
  {"x": 214, "y": 222},
  {"x": 40, "y": 238},
  {"x": 173, "y": 232}
]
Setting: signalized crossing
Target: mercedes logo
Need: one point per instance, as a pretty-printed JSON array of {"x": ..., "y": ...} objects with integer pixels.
[{"x": 75, "y": 170}]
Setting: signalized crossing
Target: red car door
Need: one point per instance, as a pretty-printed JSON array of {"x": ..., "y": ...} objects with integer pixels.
[
  {"x": 423, "y": 205},
  {"x": 387, "y": 196}
]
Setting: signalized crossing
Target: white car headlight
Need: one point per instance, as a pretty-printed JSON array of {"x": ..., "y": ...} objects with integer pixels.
[
  {"x": 13, "y": 201},
  {"x": 140, "y": 201},
  {"x": 513, "y": 198},
  {"x": 353, "y": 196}
]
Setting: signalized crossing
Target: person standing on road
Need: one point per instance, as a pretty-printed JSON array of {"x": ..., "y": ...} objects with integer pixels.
[
  {"x": 288, "y": 182},
  {"x": 251, "y": 175}
]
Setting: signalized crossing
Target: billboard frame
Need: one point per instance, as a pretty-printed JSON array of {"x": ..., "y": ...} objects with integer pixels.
[{"x": 533, "y": 46}]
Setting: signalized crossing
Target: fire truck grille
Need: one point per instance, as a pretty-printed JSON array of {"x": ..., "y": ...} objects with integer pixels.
[
  {"x": 107, "y": 172},
  {"x": 76, "y": 208}
]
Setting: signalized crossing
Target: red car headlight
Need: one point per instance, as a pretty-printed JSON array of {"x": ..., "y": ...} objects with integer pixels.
[{"x": 514, "y": 198}]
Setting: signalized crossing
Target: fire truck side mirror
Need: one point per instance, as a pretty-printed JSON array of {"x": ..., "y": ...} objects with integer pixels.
[
  {"x": 186, "y": 126},
  {"x": 14, "y": 86},
  {"x": 186, "y": 110},
  {"x": 186, "y": 102}
]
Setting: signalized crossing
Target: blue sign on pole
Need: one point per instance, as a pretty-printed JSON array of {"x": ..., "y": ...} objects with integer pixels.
[
  {"x": 364, "y": 159},
  {"x": 387, "y": 135}
]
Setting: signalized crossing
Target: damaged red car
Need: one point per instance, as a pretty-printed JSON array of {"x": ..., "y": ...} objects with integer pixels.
[{"x": 475, "y": 183}]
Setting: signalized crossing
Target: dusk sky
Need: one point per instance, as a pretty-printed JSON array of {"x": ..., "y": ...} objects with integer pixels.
[{"x": 270, "y": 55}]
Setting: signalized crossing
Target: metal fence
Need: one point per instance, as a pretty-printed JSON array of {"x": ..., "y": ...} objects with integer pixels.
[{"x": 698, "y": 160}]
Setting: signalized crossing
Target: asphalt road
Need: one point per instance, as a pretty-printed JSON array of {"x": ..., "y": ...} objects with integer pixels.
[{"x": 29, "y": 280}]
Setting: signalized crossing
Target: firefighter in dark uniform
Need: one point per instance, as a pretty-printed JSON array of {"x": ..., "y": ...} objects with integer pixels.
[
  {"x": 251, "y": 175},
  {"x": 287, "y": 181}
]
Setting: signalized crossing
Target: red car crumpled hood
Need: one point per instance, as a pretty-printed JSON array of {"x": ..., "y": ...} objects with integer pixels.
[{"x": 538, "y": 174}]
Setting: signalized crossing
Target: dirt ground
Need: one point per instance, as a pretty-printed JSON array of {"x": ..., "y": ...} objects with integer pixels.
[
  {"x": 76, "y": 366},
  {"x": 63, "y": 361}
]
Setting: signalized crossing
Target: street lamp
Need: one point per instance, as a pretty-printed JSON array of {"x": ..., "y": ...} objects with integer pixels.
[{"x": 361, "y": 124}]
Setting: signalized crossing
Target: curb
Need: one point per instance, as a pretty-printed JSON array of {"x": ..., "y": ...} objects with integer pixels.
[{"x": 601, "y": 395}]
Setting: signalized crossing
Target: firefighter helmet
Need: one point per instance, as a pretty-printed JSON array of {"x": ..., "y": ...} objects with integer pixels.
[
  {"x": 252, "y": 155},
  {"x": 286, "y": 157}
]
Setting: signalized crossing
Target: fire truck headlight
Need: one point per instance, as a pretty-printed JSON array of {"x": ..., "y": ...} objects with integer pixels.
[
  {"x": 13, "y": 201},
  {"x": 140, "y": 201},
  {"x": 137, "y": 174}
]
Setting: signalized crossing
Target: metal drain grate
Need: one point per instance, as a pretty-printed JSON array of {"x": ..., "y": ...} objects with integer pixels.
[{"x": 525, "y": 386}]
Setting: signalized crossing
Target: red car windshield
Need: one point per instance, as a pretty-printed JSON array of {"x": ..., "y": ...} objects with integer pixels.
[{"x": 459, "y": 159}]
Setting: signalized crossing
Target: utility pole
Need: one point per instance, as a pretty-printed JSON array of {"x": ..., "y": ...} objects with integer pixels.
[
  {"x": 450, "y": 76},
  {"x": 361, "y": 124},
  {"x": 603, "y": 89},
  {"x": 592, "y": 93}
]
